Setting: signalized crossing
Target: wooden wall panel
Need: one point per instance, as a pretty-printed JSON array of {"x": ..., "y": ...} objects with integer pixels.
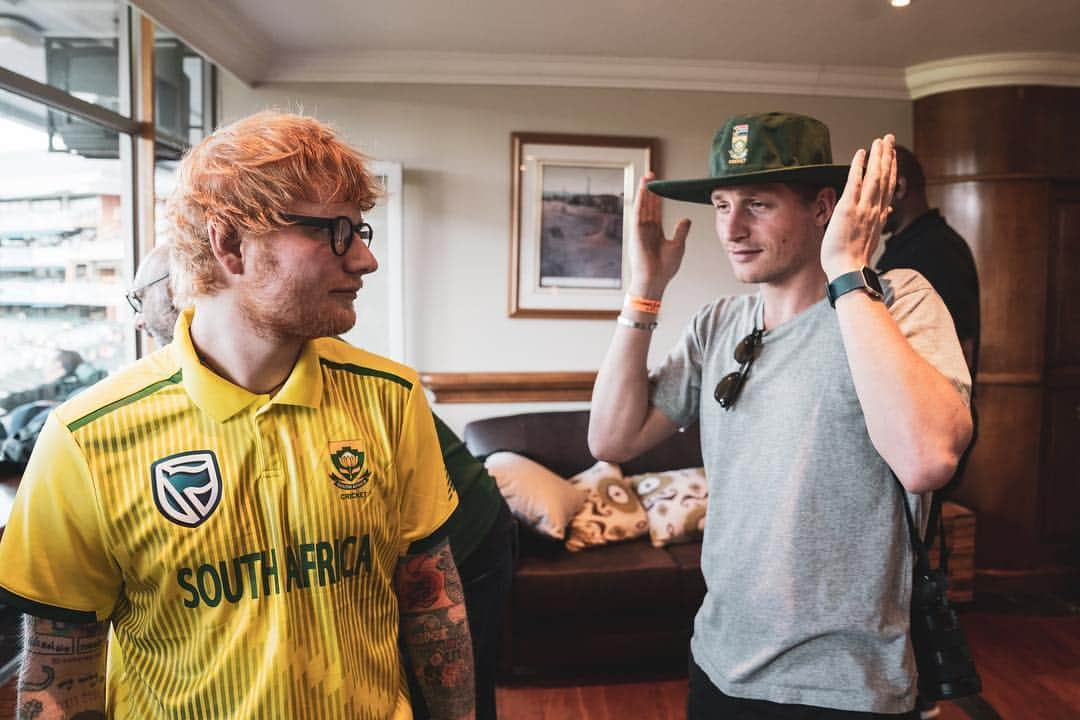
[
  {"x": 1060, "y": 486},
  {"x": 1028, "y": 130},
  {"x": 1000, "y": 482},
  {"x": 1003, "y": 164},
  {"x": 1005, "y": 223},
  {"x": 1064, "y": 324},
  {"x": 952, "y": 137},
  {"x": 1060, "y": 501}
]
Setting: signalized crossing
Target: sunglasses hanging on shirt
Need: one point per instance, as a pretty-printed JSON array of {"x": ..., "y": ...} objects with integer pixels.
[{"x": 731, "y": 385}]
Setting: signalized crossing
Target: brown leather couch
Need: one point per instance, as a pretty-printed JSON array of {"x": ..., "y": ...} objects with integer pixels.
[{"x": 619, "y": 607}]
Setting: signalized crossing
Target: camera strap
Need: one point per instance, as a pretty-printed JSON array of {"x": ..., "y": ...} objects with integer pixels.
[
  {"x": 944, "y": 662},
  {"x": 920, "y": 546}
]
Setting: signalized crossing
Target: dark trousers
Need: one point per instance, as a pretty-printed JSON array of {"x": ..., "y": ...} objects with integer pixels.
[
  {"x": 485, "y": 576},
  {"x": 706, "y": 702}
]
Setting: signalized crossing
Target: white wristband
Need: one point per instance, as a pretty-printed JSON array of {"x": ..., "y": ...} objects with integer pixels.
[{"x": 627, "y": 322}]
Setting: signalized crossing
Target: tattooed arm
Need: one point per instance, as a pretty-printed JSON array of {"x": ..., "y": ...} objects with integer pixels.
[
  {"x": 436, "y": 631},
  {"x": 63, "y": 670}
]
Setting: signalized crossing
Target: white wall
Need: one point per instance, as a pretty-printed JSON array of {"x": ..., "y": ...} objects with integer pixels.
[{"x": 454, "y": 142}]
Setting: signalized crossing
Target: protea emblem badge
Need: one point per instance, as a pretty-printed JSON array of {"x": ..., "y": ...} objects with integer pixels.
[
  {"x": 349, "y": 472},
  {"x": 740, "y": 144},
  {"x": 187, "y": 486}
]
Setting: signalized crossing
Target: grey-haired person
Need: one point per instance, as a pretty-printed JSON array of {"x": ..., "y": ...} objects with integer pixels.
[{"x": 151, "y": 296}]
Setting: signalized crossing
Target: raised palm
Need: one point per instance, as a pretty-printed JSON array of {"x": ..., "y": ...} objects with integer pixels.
[
  {"x": 855, "y": 227},
  {"x": 654, "y": 259}
]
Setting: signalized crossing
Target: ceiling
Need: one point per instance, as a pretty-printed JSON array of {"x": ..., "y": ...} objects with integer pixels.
[{"x": 859, "y": 42}]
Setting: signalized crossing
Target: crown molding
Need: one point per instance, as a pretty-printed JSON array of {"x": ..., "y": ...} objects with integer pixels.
[
  {"x": 589, "y": 71},
  {"x": 215, "y": 32},
  {"x": 974, "y": 71},
  {"x": 230, "y": 42}
]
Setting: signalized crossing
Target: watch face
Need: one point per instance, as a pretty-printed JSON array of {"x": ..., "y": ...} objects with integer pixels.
[{"x": 873, "y": 282}]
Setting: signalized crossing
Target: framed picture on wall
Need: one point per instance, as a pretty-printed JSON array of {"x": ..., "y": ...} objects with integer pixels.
[{"x": 571, "y": 215}]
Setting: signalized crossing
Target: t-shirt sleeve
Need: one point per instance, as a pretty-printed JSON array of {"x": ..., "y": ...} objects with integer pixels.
[
  {"x": 676, "y": 382},
  {"x": 951, "y": 273},
  {"x": 924, "y": 320},
  {"x": 428, "y": 497},
  {"x": 53, "y": 553}
]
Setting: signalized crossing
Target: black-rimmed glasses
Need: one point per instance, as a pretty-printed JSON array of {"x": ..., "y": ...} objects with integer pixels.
[
  {"x": 134, "y": 295},
  {"x": 728, "y": 389},
  {"x": 341, "y": 229}
]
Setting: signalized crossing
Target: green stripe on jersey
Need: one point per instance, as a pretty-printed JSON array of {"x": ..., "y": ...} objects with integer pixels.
[
  {"x": 117, "y": 404},
  {"x": 360, "y": 370}
]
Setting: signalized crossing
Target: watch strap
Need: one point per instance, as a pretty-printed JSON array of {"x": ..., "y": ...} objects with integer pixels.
[{"x": 854, "y": 280}]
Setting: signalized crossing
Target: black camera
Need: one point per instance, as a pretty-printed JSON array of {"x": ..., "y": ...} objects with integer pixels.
[{"x": 946, "y": 668}]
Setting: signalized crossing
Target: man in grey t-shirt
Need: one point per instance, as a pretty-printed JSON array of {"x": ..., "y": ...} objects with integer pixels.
[{"x": 810, "y": 395}]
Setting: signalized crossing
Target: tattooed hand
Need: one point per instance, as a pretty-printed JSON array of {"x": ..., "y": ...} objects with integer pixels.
[
  {"x": 422, "y": 588},
  {"x": 63, "y": 670},
  {"x": 30, "y": 710},
  {"x": 435, "y": 629},
  {"x": 28, "y": 685}
]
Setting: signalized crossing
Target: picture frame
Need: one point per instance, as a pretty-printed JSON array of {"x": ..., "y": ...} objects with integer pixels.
[{"x": 571, "y": 222}]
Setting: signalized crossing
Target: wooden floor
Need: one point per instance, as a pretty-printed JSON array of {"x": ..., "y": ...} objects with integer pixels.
[
  {"x": 1029, "y": 664},
  {"x": 1029, "y": 660}
]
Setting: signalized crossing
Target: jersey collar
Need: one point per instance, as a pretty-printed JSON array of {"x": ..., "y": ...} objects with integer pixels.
[
  {"x": 304, "y": 385},
  {"x": 222, "y": 399}
]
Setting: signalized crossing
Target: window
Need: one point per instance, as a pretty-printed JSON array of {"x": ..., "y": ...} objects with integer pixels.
[
  {"x": 69, "y": 210},
  {"x": 183, "y": 85},
  {"x": 62, "y": 253},
  {"x": 74, "y": 47}
]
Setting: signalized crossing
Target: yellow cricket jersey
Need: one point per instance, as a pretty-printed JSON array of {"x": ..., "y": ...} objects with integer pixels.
[{"x": 243, "y": 546}]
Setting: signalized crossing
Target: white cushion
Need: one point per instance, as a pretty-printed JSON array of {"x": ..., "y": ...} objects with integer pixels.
[{"x": 538, "y": 497}]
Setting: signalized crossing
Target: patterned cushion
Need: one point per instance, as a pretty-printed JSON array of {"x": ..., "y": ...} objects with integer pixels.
[
  {"x": 612, "y": 511},
  {"x": 538, "y": 497},
  {"x": 675, "y": 502}
]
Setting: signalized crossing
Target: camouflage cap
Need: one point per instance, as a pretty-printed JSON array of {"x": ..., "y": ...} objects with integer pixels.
[{"x": 762, "y": 148}]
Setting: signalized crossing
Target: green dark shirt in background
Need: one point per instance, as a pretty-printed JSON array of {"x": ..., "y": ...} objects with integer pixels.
[{"x": 478, "y": 495}]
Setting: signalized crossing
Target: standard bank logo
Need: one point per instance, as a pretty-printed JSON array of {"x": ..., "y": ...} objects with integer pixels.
[{"x": 187, "y": 486}]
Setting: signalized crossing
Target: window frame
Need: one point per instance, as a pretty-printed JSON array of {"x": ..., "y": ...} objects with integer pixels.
[{"x": 137, "y": 127}]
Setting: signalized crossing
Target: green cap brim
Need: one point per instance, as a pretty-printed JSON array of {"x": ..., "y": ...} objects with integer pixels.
[{"x": 700, "y": 191}]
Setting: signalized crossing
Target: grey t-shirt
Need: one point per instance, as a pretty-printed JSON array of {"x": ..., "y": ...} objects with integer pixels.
[{"x": 806, "y": 554}]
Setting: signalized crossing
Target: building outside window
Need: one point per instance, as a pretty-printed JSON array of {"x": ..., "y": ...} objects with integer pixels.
[
  {"x": 69, "y": 228},
  {"x": 62, "y": 255}
]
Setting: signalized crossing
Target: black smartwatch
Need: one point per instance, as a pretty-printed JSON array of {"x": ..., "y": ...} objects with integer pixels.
[{"x": 863, "y": 279}]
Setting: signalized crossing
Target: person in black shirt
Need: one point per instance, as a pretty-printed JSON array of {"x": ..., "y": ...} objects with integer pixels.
[{"x": 923, "y": 241}]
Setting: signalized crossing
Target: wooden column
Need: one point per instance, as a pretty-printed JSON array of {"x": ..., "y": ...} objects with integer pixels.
[{"x": 1003, "y": 164}]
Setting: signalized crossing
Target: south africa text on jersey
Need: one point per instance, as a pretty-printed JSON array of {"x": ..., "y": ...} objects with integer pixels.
[{"x": 260, "y": 573}]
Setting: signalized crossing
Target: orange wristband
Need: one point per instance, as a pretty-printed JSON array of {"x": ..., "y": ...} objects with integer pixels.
[{"x": 641, "y": 304}]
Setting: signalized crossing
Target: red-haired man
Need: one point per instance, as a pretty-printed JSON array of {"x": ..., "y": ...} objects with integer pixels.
[{"x": 249, "y": 509}]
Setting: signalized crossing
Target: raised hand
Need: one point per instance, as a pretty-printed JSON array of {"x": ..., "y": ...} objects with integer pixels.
[
  {"x": 654, "y": 259},
  {"x": 855, "y": 227}
]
